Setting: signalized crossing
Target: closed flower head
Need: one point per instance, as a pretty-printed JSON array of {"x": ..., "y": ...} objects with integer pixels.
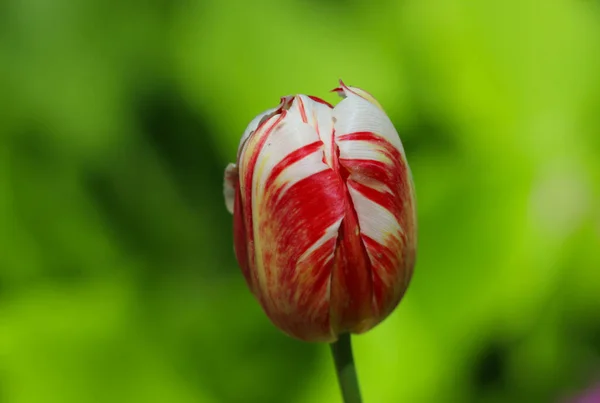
[{"x": 324, "y": 214}]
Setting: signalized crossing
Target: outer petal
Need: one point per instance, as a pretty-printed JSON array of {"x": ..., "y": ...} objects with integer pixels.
[
  {"x": 238, "y": 198},
  {"x": 253, "y": 125},
  {"x": 229, "y": 186},
  {"x": 380, "y": 186},
  {"x": 294, "y": 197},
  {"x": 234, "y": 205}
]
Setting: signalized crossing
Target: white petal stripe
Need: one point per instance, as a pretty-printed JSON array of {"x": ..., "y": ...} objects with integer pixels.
[
  {"x": 307, "y": 166},
  {"x": 355, "y": 114},
  {"x": 375, "y": 221},
  {"x": 288, "y": 137},
  {"x": 330, "y": 233},
  {"x": 362, "y": 150}
]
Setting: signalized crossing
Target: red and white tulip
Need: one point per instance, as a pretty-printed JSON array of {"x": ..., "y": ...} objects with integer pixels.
[{"x": 324, "y": 214}]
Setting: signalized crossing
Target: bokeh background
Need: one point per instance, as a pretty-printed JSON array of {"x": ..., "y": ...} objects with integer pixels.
[{"x": 118, "y": 281}]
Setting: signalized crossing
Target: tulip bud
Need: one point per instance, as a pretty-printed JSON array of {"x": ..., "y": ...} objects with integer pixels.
[{"x": 323, "y": 214}]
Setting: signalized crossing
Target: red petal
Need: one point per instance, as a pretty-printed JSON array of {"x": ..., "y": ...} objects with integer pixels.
[
  {"x": 292, "y": 210},
  {"x": 297, "y": 282},
  {"x": 351, "y": 284}
]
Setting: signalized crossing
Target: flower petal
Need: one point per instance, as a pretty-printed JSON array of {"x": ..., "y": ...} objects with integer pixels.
[
  {"x": 229, "y": 186},
  {"x": 380, "y": 186},
  {"x": 260, "y": 119},
  {"x": 294, "y": 198},
  {"x": 317, "y": 113},
  {"x": 343, "y": 90},
  {"x": 233, "y": 202},
  {"x": 351, "y": 294},
  {"x": 240, "y": 240},
  {"x": 253, "y": 125}
]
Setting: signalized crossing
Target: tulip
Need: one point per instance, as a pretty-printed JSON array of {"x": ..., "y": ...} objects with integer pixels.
[{"x": 324, "y": 215}]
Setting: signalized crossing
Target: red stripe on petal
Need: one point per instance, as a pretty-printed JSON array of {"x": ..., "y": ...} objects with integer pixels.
[
  {"x": 384, "y": 198},
  {"x": 375, "y": 170},
  {"x": 321, "y": 101},
  {"x": 366, "y": 177},
  {"x": 392, "y": 267},
  {"x": 309, "y": 278},
  {"x": 351, "y": 280},
  {"x": 290, "y": 159},
  {"x": 302, "y": 109},
  {"x": 307, "y": 286},
  {"x": 393, "y": 173},
  {"x": 351, "y": 284},
  {"x": 382, "y": 171},
  {"x": 374, "y": 138},
  {"x": 310, "y": 205}
]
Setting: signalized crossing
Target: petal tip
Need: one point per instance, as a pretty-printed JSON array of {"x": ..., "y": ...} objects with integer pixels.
[
  {"x": 340, "y": 89},
  {"x": 285, "y": 102}
]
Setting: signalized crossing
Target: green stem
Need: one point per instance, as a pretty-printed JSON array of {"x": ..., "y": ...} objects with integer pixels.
[{"x": 345, "y": 368}]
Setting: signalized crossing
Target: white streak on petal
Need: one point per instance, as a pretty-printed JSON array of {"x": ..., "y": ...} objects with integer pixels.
[
  {"x": 373, "y": 184},
  {"x": 320, "y": 117},
  {"x": 330, "y": 233},
  {"x": 375, "y": 221},
  {"x": 355, "y": 114},
  {"x": 309, "y": 165},
  {"x": 362, "y": 150},
  {"x": 290, "y": 135}
]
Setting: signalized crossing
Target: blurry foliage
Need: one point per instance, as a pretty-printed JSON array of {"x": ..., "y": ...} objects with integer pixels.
[{"x": 117, "y": 276}]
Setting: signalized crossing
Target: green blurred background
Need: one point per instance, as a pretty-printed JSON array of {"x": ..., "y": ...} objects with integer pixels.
[{"x": 118, "y": 281}]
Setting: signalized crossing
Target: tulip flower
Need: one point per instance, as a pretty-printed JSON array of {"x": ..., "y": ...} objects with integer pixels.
[{"x": 323, "y": 214}]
